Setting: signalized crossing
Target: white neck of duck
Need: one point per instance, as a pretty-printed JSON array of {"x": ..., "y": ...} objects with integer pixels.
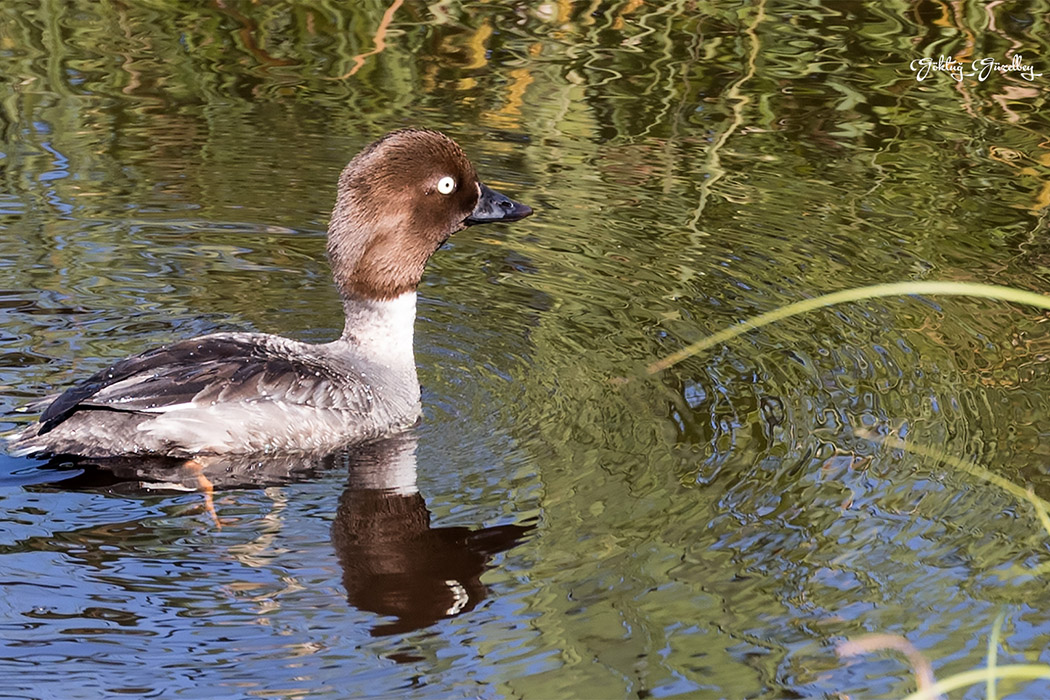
[{"x": 383, "y": 329}]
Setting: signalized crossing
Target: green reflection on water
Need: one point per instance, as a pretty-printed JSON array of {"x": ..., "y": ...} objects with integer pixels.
[{"x": 168, "y": 169}]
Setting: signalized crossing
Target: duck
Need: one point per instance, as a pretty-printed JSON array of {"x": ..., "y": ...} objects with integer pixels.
[{"x": 242, "y": 393}]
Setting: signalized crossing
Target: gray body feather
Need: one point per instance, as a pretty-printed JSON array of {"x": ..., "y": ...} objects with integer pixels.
[{"x": 227, "y": 392}]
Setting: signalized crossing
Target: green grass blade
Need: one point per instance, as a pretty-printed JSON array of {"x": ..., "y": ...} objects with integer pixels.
[
  {"x": 961, "y": 680},
  {"x": 985, "y": 291},
  {"x": 993, "y": 656}
]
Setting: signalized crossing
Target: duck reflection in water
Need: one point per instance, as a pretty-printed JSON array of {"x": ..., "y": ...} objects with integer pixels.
[{"x": 394, "y": 563}]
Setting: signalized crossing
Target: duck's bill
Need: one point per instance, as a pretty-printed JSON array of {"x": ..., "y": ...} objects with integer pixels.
[{"x": 493, "y": 206}]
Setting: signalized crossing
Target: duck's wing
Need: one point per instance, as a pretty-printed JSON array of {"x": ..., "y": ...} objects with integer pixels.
[{"x": 215, "y": 369}]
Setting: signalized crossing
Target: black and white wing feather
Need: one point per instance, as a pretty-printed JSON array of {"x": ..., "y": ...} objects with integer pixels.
[
  {"x": 221, "y": 393},
  {"x": 205, "y": 371}
]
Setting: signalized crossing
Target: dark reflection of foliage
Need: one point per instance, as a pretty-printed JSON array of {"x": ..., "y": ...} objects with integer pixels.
[
  {"x": 645, "y": 67},
  {"x": 183, "y": 53}
]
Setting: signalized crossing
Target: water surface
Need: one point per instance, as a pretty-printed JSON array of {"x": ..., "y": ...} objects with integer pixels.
[{"x": 713, "y": 531}]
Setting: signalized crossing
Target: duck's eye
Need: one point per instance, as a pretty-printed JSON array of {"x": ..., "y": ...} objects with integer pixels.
[{"x": 446, "y": 185}]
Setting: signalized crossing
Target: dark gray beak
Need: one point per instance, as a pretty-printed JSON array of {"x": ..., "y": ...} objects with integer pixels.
[{"x": 493, "y": 206}]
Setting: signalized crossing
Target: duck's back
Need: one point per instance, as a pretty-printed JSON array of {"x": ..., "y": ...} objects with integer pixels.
[{"x": 225, "y": 393}]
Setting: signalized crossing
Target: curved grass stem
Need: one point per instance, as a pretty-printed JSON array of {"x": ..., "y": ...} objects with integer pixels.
[
  {"x": 966, "y": 678},
  {"x": 985, "y": 291}
]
